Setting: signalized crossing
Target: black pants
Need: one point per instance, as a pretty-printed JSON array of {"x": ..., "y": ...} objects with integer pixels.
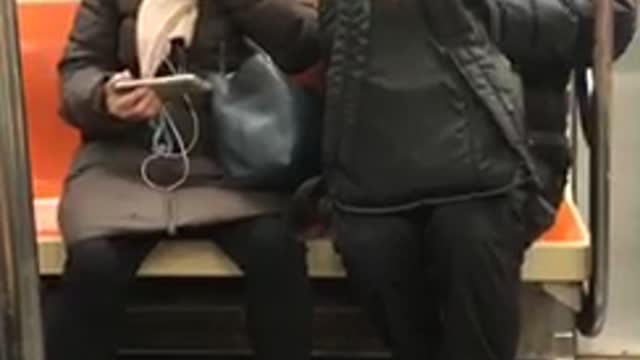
[
  {"x": 83, "y": 317},
  {"x": 442, "y": 283}
]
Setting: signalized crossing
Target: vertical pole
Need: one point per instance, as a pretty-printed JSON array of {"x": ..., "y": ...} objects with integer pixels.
[
  {"x": 20, "y": 320},
  {"x": 592, "y": 318}
]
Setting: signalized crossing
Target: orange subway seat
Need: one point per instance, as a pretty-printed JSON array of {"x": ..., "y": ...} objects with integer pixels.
[{"x": 43, "y": 30}]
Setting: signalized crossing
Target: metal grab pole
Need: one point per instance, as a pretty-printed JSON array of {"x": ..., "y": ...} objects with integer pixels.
[
  {"x": 21, "y": 332},
  {"x": 592, "y": 318}
]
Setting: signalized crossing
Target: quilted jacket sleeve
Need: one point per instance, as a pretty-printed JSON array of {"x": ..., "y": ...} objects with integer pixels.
[
  {"x": 287, "y": 29},
  {"x": 89, "y": 59},
  {"x": 554, "y": 31}
]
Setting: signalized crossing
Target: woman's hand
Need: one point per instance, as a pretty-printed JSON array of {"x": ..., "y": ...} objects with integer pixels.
[{"x": 141, "y": 104}]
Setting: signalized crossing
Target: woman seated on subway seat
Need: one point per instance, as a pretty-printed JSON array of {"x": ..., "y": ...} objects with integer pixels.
[{"x": 124, "y": 193}]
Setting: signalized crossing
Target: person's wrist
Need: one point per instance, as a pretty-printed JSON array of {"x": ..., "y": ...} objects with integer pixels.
[{"x": 99, "y": 97}]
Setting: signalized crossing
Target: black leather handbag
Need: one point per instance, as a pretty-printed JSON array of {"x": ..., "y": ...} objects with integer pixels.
[{"x": 266, "y": 128}]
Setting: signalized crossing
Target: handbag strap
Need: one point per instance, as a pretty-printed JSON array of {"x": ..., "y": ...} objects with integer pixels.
[{"x": 256, "y": 49}]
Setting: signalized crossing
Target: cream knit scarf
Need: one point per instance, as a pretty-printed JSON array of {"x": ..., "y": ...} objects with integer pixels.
[{"x": 160, "y": 22}]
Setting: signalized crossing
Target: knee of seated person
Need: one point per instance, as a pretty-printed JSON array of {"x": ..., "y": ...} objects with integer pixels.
[
  {"x": 269, "y": 242},
  {"x": 95, "y": 262},
  {"x": 480, "y": 244}
]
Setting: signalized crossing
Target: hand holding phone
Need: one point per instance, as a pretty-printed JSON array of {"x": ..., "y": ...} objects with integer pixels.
[
  {"x": 135, "y": 104},
  {"x": 167, "y": 87}
]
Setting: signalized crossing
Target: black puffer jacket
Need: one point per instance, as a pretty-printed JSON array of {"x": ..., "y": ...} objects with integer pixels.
[
  {"x": 546, "y": 40},
  {"x": 473, "y": 41},
  {"x": 552, "y": 32}
]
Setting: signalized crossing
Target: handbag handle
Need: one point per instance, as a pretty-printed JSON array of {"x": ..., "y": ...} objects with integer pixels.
[{"x": 251, "y": 45}]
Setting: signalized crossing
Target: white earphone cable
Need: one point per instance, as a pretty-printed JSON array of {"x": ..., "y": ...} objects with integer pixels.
[{"x": 166, "y": 132}]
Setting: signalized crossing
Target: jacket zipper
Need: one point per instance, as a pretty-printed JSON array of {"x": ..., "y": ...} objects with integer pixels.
[{"x": 350, "y": 85}]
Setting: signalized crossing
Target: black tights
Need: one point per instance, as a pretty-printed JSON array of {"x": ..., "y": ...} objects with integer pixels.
[{"x": 84, "y": 315}]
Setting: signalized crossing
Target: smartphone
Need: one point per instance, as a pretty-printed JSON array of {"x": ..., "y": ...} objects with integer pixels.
[{"x": 167, "y": 86}]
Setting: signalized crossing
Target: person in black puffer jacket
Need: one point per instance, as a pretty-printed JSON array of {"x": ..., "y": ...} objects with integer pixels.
[{"x": 437, "y": 180}]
